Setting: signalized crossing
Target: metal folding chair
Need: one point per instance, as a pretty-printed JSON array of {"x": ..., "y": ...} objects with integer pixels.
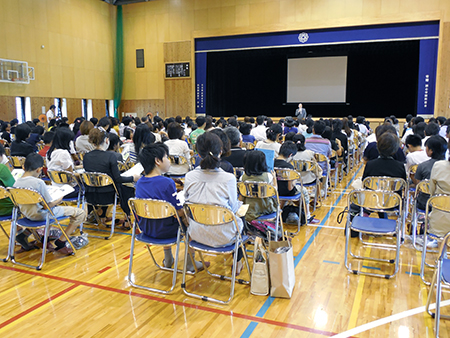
[
  {"x": 441, "y": 277},
  {"x": 304, "y": 167},
  {"x": 4, "y": 194},
  {"x": 284, "y": 174},
  {"x": 17, "y": 161},
  {"x": 98, "y": 180},
  {"x": 321, "y": 158},
  {"x": 247, "y": 145},
  {"x": 377, "y": 201},
  {"x": 179, "y": 160},
  {"x": 214, "y": 215},
  {"x": 67, "y": 177},
  {"x": 156, "y": 210},
  {"x": 253, "y": 189},
  {"x": 438, "y": 203},
  {"x": 423, "y": 187},
  {"x": 21, "y": 196}
]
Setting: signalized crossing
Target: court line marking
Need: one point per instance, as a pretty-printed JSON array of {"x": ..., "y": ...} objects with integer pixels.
[
  {"x": 37, "y": 306},
  {"x": 331, "y": 262},
  {"x": 252, "y": 326},
  {"x": 387, "y": 320},
  {"x": 173, "y": 302}
]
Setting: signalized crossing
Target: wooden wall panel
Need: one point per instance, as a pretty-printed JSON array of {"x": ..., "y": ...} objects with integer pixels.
[
  {"x": 178, "y": 92},
  {"x": 7, "y": 108},
  {"x": 443, "y": 80},
  {"x": 37, "y": 103},
  {"x": 73, "y": 109},
  {"x": 142, "y": 107},
  {"x": 98, "y": 108}
]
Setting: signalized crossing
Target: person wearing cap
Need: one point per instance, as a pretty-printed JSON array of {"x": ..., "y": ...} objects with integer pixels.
[
  {"x": 300, "y": 112},
  {"x": 289, "y": 125}
]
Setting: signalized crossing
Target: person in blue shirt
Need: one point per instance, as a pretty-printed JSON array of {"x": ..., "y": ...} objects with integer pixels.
[{"x": 154, "y": 159}]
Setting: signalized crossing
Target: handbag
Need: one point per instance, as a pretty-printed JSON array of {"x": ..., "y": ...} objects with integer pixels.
[
  {"x": 260, "y": 282},
  {"x": 281, "y": 267}
]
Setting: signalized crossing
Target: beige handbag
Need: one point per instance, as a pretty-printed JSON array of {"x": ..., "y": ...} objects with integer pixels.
[
  {"x": 282, "y": 273},
  {"x": 260, "y": 274}
]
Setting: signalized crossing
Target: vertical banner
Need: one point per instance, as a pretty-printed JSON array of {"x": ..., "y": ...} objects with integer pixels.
[
  {"x": 200, "y": 83},
  {"x": 118, "y": 62},
  {"x": 427, "y": 76}
]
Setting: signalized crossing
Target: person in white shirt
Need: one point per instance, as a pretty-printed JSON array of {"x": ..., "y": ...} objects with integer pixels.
[
  {"x": 416, "y": 154},
  {"x": 177, "y": 147},
  {"x": 260, "y": 131},
  {"x": 51, "y": 113}
]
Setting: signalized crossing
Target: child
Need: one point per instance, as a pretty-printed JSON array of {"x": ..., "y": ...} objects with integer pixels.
[
  {"x": 256, "y": 171},
  {"x": 154, "y": 159},
  {"x": 36, "y": 212},
  {"x": 48, "y": 139}
]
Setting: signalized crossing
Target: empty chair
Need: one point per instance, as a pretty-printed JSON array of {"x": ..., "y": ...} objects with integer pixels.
[
  {"x": 379, "y": 201},
  {"x": 214, "y": 216},
  {"x": 156, "y": 210}
]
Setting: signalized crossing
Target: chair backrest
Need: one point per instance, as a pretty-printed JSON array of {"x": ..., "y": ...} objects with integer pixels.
[
  {"x": 286, "y": 174},
  {"x": 179, "y": 160},
  {"x": 413, "y": 169},
  {"x": 254, "y": 189},
  {"x": 209, "y": 214},
  {"x": 439, "y": 202},
  {"x": 248, "y": 145},
  {"x": 122, "y": 166},
  {"x": 385, "y": 183},
  {"x": 96, "y": 180},
  {"x": 4, "y": 193},
  {"x": 81, "y": 156},
  {"x": 25, "y": 196},
  {"x": 375, "y": 199},
  {"x": 423, "y": 187},
  {"x": 150, "y": 208},
  {"x": 62, "y": 177},
  {"x": 17, "y": 161}
]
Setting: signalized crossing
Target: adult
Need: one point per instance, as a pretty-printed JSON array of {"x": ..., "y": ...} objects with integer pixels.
[
  {"x": 142, "y": 137},
  {"x": 371, "y": 151},
  {"x": 300, "y": 112},
  {"x": 177, "y": 147},
  {"x": 259, "y": 132},
  {"x": 273, "y": 135},
  {"x": 318, "y": 144},
  {"x": 19, "y": 147},
  {"x": 236, "y": 158},
  {"x": 51, "y": 113},
  {"x": 289, "y": 126},
  {"x": 82, "y": 143}
]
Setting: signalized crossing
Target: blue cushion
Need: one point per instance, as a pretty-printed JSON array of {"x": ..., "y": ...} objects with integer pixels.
[
  {"x": 376, "y": 225},
  {"x": 290, "y": 198},
  {"x": 446, "y": 270},
  {"x": 222, "y": 249},
  {"x": 156, "y": 241},
  {"x": 268, "y": 216},
  {"x": 5, "y": 218},
  {"x": 25, "y": 222}
]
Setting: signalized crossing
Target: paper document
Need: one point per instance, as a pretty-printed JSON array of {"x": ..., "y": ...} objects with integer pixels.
[
  {"x": 242, "y": 210},
  {"x": 136, "y": 170},
  {"x": 59, "y": 191},
  {"x": 17, "y": 173}
]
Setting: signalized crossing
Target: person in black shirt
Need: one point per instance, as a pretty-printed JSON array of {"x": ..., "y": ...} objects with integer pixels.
[
  {"x": 19, "y": 147},
  {"x": 226, "y": 150},
  {"x": 236, "y": 157},
  {"x": 371, "y": 152}
]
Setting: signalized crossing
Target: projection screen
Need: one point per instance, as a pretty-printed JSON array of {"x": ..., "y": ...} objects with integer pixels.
[{"x": 317, "y": 79}]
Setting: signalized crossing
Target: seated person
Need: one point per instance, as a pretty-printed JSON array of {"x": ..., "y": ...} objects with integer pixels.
[
  {"x": 236, "y": 157},
  {"x": 19, "y": 147},
  {"x": 155, "y": 186},
  {"x": 226, "y": 150},
  {"x": 82, "y": 142},
  {"x": 306, "y": 155},
  {"x": 48, "y": 139},
  {"x": 35, "y": 212},
  {"x": 256, "y": 171},
  {"x": 101, "y": 161},
  {"x": 208, "y": 183},
  {"x": 416, "y": 154},
  {"x": 436, "y": 147},
  {"x": 35, "y": 137},
  {"x": 114, "y": 143},
  {"x": 245, "y": 130},
  {"x": 177, "y": 147},
  {"x": 371, "y": 151},
  {"x": 273, "y": 135}
]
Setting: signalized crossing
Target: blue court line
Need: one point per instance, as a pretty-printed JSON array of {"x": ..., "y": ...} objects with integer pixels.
[
  {"x": 370, "y": 267},
  {"x": 252, "y": 326},
  {"x": 412, "y": 273},
  {"x": 108, "y": 231},
  {"x": 332, "y": 262}
]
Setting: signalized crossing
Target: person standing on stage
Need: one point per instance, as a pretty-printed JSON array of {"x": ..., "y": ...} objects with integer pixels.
[
  {"x": 51, "y": 113},
  {"x": 300, "y": 112}
]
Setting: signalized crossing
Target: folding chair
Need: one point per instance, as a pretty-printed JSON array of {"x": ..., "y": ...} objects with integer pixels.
[
  {"x": 334, "y": 172},
  {"x": 392, "y": 184},
  {"x": 67, "y": 177},
  {"x": 321, "y": 158},
  {"x": 29, "y": 196},
  {"x": 441, "y": 276},
  {"x": 438, "y": 203},
  {"x": 213, "y": 215},
  {"x": 304, "y": 167},
  {"x": 377, "y": 200},
  {"x": 156, "y": 210},
  {"x": 4, "y": 194},
  {"x": 247, "y": 145},
  {"x": 284, "y": 174},
  {"x": 423, "y": 187},
  {"x": 351, "y": 155},
  {"x": 17, "y": 161},
  {"x": 253, "y": 189},
  {"x": 99, "y": 180},
  {"x": 179, "y": 161}
]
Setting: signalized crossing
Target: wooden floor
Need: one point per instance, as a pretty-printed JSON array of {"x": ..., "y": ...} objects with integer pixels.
[{"x": 87, "y": 295}]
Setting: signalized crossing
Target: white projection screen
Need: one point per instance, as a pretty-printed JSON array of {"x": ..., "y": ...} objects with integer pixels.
[{"x": 317, "y": 79}]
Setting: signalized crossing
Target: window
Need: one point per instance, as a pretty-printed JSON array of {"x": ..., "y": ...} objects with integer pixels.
[
  {"x": 109, "y": 106},
  {"x": 20, "y": 109},
  {"x": 140, "y": 58},
  {"x": 89, "y": 109},
  {"x": 84, "y": 108}
]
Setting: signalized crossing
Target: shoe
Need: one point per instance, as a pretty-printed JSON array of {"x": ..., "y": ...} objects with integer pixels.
[
  {"x": 199, "y": 266},
  {"x": 239, "y": 267},
  {"x": 79, "y": 241},
  {"x": 432, "y": 244},
  {"x": 313, "y": 221},
  {"x": 292, "y": 218},
  {"x": 91, "y": 218},
  {"x": 65, "y": 251}
]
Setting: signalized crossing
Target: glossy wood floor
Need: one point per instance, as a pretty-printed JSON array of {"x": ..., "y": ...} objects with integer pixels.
[{"x": 87, "y": 295}]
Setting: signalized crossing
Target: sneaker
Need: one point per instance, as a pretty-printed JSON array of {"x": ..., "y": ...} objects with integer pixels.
[
  {"x": 79, "y": 241},
  {"x": 66, "y": 250},
  {"x": 91, "y": 218},
  {"x": 292, "y": 218}
]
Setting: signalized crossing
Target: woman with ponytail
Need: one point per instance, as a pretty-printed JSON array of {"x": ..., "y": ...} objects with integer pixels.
[{"x": 210, "y": 184}]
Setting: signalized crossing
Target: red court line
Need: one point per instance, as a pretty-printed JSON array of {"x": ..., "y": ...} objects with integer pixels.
[
  {"x": 174, "y": 302},
  {"x": 37, "y": 306},
  {"x": 104, "y": 269}
]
